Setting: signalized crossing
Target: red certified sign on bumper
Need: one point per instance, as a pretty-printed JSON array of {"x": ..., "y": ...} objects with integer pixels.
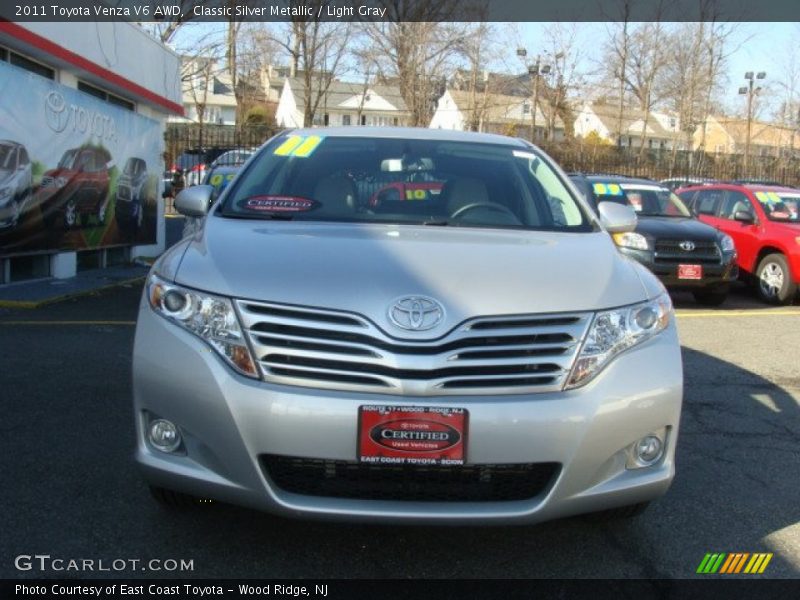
[
  {"x": 690, "y": 271},
  {"x": 412, "y": 435}
]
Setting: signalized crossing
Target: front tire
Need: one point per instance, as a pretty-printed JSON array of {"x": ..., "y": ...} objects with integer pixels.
[{"x": 774, "y": 280}]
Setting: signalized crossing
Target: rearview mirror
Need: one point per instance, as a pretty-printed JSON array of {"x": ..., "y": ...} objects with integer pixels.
[
  {"x": 616, "y": 218},
  {"x": 744, "y": 216},
  {"x": 193, "y": 201}
]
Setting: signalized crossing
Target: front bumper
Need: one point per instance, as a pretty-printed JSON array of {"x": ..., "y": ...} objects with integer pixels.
[
  {"x": 714, "y": 275},
  {"x": 228, "y": 422}
]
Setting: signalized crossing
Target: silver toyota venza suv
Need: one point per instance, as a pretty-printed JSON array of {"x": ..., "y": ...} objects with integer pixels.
[{"x": 405, "y": 325}]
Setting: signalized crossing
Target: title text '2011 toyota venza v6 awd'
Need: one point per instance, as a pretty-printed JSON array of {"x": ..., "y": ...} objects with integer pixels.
[{"x": 406, "y": 325}]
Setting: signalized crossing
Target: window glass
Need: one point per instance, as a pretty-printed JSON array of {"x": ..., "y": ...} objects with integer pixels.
[
  {"x": 392, "y": 180},
  {"x": 733, "y": 203},
  {"x": 707, "y": 201}
]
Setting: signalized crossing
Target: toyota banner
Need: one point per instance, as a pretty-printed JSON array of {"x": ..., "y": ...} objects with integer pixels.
[{"x": 76, "y": 172}]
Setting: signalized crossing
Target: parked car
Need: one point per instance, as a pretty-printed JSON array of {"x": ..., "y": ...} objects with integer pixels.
[
  {"x": 682, "y": 251},
  {"x": 233, "y": 157},
  {"x": 190, "y": 168},
  {"x": 77, "y": 187},
  {"x": 764, "y": 223},
  {"x": 218, "y": 178},
  {"x": 16, "y": 182},
  {"x": 673, "y": 183},
  {"x": 131, "y": 194},
  {"x": 472, "y": 356}
]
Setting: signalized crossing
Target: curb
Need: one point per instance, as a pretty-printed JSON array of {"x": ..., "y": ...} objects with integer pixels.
[{"x": 28, "y": 304}]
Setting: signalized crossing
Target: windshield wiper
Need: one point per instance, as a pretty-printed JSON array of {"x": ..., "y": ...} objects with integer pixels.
[{"x": 442, "y": 223}]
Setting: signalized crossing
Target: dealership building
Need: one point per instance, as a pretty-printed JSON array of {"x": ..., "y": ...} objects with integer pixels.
[{"x": 83, "y": 108}]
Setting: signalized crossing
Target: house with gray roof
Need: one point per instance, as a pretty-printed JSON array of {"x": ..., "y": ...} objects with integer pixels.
[{"x": 343, "y": 103}]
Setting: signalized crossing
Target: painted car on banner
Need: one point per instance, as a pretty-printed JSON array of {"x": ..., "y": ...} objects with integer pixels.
[
  {"x": 131, "y": 195},
  {"x": 483, "y": 354},
  {"x": 16, "y": 182},
  {"x": 77, "y": 188}
]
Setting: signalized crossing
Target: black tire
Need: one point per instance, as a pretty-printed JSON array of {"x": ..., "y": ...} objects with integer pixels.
[
  {"x": 710, "y": 297},
  {"x": 623, "y": 512},
  {"x": 173, "y": 500},
  {"x": 774, "y": 282}
]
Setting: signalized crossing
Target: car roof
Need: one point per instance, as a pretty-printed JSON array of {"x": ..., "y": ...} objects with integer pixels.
[
  {"x": 413, "y": 133},
  {"x": 9, "y": 143},
  {"x": 727, "y": 185},
  {"x": 624, "y": 179}
]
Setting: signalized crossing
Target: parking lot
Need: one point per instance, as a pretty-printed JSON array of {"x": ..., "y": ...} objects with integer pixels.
[{"x": 71, "y": 489}]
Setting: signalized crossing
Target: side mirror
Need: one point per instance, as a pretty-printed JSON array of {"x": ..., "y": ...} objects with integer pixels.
[
  {"x": 194, "y": 201},
  {"x": 744, "y": 216},
  {"x": 616, "y": 218}
]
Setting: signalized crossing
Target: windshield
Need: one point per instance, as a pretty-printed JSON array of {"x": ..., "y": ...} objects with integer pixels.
[
  {"x": 780, "y": 206},
  {"x": 646, "y": 200},
  {"x": 404, "y": 181},
  {"x": 67, "y": 160},
  {"x": 7, "y": 157}
]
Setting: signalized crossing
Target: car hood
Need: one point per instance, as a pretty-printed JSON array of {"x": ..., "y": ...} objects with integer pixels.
[
  {"x": 363, "y": 268},
  {"x": 6, "y": 176},
  {"x": 676, "y": 228}
]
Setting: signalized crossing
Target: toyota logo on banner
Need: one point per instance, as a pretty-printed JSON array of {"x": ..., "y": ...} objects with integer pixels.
[{"x": 416, "y": 313}]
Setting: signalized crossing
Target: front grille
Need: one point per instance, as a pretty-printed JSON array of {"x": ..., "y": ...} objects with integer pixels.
[
  {"x": 345, "y": 351},
  {"x": 467, "y": 483},
  {"x": 669, "y": 252}
]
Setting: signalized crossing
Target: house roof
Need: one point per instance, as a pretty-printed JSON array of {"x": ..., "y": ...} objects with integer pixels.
[
  {"x": 497, "y": 108},
  {"x": 632, "y": 121},
  {"x": 761, "y": 133},
  {"x": 339, "y": 92}
]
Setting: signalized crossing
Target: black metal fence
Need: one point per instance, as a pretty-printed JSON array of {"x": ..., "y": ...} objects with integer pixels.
[
  {"x": 663, "y": 164},
  {"x": 181, "y": 137}
]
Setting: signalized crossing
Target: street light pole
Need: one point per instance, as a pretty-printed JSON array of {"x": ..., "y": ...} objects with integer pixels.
[{"x": 750, "y": 91}]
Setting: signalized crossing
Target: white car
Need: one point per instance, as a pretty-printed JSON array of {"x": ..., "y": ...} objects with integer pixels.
[{"x": 16, "y": 182}]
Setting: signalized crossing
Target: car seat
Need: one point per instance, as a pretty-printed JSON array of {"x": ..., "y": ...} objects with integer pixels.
[{"x": 336, "y": 195}]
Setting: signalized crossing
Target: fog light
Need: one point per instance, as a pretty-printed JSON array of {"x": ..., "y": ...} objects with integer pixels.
[
  {"x": 164, "y": 435},
  {"x": 649, "y": 449}
]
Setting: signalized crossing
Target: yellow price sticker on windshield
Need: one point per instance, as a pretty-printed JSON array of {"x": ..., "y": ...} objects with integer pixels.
[
  {"x": 299, "y": 146},
  {"x": 614, "y": 189},
  {"x": 773, "y": 197},
  {"x": 600, "y": 189},
  {"x": 762, "y": 197}
]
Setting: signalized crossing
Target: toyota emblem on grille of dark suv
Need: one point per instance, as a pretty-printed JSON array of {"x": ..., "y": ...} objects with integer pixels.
[
  {"x": 687, "y": 245},
  {"x": 416, "y": 313}
]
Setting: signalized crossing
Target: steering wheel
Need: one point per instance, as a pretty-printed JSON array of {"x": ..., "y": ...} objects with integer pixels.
[{"x": 488, "y": 205}]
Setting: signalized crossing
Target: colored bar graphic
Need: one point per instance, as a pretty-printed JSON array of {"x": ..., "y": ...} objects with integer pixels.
[{"x": 734, "y": 563}]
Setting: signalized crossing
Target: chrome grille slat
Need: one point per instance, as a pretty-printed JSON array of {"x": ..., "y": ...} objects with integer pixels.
[{"x": 343, "y": 351}]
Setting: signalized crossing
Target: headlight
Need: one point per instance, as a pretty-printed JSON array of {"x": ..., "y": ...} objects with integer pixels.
[
  {"x": 631, "y": 240},
  {"x": 614, "y": 331},
  {"x": 726, "y": 243},
  {"x": 60, "y": 181},
  {"x": 209, "y": 317}
]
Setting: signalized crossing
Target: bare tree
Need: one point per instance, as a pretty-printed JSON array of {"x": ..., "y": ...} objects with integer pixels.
[
  {"x": 417, "y": 48},
  {"x": 316, "y": 51}
]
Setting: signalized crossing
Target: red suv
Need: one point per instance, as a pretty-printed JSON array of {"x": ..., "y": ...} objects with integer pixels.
[{"x": 764, "y": 222}]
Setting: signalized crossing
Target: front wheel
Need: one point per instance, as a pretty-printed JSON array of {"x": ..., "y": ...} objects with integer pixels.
[
  {"x": 70, "y": 214},
  {"x": 774, "y": 283}
]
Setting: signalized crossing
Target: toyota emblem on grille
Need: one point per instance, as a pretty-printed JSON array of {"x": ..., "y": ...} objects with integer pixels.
[
  {"x": 687, "y": 246},
  {"x": 416, "y": 313}
]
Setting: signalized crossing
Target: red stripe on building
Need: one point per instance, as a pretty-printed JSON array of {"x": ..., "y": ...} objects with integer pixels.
[{"x": 37, "y": 41}]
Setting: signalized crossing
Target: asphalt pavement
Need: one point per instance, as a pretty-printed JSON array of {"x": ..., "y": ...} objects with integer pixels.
[{"x": 70, "y": 489}]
